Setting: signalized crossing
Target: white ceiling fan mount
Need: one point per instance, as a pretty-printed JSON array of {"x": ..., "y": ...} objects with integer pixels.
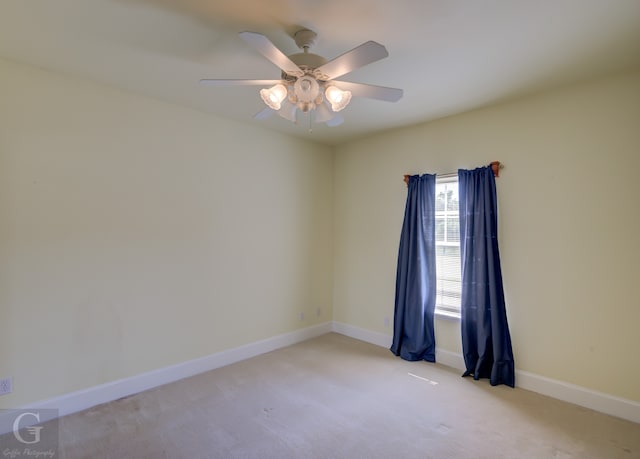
[
  {"x": 305, "y": 39},
  {"x": 308, "y": 81}
]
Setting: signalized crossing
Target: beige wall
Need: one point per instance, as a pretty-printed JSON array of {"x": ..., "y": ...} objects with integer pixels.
[
  {"x": 135, "y": 234},
  {"x": 569, "y": 200}
]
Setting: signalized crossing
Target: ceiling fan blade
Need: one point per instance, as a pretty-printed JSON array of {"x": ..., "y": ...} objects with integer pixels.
[
  {"x": 215, "y": 82},
  {"x": 264, "y": 114},
  {"x": 358, "y": 57},
  {"x": 335, "y": 121},
  {"x": 269, "y": 50},
  {"x": 288, "y": 111},
  {"x": 323, "y": 113},
  {"x": 370, "y": 91}
]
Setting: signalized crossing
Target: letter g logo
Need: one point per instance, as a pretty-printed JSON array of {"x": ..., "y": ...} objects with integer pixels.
[{"x": 35, "y": 431}]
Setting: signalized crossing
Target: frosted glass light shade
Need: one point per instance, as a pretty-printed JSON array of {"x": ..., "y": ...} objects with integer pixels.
[
  {"x": 338, "y": 98},
  {"x": 274, "y": 96},
  {"x": 306, "y": 89}
]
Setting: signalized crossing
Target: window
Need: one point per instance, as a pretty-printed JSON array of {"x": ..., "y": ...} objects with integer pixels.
[{"x": 448, "y": 268}]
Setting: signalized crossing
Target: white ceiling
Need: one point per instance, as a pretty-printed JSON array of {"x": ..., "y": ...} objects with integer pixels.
[{"x": 448, "y": 56}]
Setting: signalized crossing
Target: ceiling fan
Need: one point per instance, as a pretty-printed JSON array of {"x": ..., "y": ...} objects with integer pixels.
[{"x": 308, "y": 81}]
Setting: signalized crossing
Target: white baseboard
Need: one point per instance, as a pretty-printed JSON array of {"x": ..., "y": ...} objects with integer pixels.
[
  {"x": 578, "y": 395},
  {"x": 598, "y": 401},
  {"x": 450, "y": 359},
  {"x": 361, "y": 334},
  {"x": 87, "y": 398}
]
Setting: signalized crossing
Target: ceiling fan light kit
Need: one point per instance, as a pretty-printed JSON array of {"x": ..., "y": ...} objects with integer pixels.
[
  {"x": 274, "y": 96},
  {"x": 338, "y": 98},
  {"x": 308, "y": 81}
]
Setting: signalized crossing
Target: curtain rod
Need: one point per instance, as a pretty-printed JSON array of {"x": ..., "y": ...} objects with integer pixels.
[{"x": 495, "y": 167}]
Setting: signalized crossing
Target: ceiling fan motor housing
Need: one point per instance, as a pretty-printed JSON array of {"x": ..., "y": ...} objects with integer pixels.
[
  {"x": 305, "y": 91},
  {"x": 309, "y": 60}
]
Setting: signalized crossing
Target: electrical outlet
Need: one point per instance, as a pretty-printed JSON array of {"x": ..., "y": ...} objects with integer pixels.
[
  {"x": 302, "y": 316},
  {"x": 318, "y": 312},
  {"x": 5, "y": 386},
  {"x": 387, "y": 322}
]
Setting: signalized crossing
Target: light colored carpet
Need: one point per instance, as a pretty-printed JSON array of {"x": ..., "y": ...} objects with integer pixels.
[{"x": 335, "y": 397}]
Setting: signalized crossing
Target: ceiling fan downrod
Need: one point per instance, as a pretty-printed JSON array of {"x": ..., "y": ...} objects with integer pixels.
[{"x": 305, "y": 39}]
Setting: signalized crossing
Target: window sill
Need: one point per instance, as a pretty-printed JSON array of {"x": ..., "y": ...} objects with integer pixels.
[{"x": 447, "y": 315}]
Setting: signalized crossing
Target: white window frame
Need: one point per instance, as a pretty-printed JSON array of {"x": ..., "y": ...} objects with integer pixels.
[{"x": 441, "y": 310}]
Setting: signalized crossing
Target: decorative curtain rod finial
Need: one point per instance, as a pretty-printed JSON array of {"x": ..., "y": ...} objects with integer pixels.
[{"x": 495, "y": 167}]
